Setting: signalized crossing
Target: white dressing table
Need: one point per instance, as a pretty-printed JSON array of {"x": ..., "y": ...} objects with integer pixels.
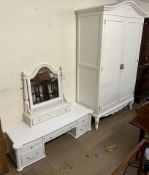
[
  {"x": 53, "y": 117},
  {"x": 26, "y": 144}
]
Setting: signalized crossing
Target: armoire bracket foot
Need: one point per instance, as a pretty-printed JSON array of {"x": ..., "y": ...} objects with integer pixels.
[
  {"x": 131, "y": 104},
  {"x": 96, "y": 122}
]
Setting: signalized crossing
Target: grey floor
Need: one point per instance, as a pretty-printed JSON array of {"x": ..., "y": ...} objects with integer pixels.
[{"x": 87, "y": 155}]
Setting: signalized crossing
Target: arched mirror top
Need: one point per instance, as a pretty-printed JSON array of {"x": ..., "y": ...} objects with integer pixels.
[{"x": 43, "y": 68}]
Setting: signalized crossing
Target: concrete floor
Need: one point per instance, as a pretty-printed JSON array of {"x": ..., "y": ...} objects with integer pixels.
[{"x": 87, "y": 155}]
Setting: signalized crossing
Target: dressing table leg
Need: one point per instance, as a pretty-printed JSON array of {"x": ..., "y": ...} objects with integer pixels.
[{"x": 18, "y": 160}]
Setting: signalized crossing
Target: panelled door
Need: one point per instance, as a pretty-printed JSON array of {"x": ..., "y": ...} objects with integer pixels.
[
  {"x": 112, "y": 47},
  {"x": 133, "y": 29},
  {"x": 142, "y": 82},
  {"x": 144, "y": 52}
]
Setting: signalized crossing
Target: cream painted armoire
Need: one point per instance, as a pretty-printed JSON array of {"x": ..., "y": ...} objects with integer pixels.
[{"x": 108, "y": 45}]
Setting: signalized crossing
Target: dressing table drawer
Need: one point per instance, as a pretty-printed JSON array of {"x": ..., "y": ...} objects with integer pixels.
[
  {"x": 68, "y": 128},
  {"x": 32, "y": 145},
  {"x": 49, "y": 137},
  {"x": 82, "y": 129},
  {"x": 50, "y": 115},
  {"x": 59, "y": 132},
  {"x": 40, "y": 119},
  {"x": 32, "y": 156},
  {"x": 84, "y": 119},
  {"x": 83, "y": 125}
]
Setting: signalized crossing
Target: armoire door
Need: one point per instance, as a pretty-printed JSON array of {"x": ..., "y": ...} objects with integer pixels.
[
  {"x": 133, "y": 30},
  {"x": 112, "y": 47}
]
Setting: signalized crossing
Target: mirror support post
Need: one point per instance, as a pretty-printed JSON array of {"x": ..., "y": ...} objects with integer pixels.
[
  {"x": 25, "y": 92},
  {"x": 61, "y": 79}
]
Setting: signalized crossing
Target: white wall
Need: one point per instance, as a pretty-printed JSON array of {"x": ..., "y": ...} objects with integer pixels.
[{"x": 34, "y": 32}]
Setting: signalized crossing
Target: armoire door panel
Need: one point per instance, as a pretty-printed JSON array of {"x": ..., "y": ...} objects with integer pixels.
[
  {"x": 130, "y": 60},
  {"x": 87, "y": 87},
  {"x": 110, "y": 61},
  {"x": 88, "y": 39}
]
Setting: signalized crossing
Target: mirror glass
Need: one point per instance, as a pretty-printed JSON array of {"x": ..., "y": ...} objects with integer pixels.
[{"x": 44, "y": 86}]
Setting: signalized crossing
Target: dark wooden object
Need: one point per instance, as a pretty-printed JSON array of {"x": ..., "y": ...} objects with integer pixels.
[
  {"x": 142, "y": 81},
  {"x": 140, "y": 147},
  {"x": 143, "y": 110},
  {"x": 142, "y": 120},
  {"x": 3, "y": 158}
]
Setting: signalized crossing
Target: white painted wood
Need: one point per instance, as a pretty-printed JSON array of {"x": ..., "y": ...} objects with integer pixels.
[
  {"x": 83, "y": 125},
  {"x": 26, "y": 144},
  {"x": 32, "y": 145},
  {"x": 87, "y": 64},
  {"x": 44, "y": 122},
  {"x": 113, "y": 33},
  {"x": 133, "y": 31},
  {"x": 43, "y": 115},
  {"x": 32, "y": 156},
  {"x": 85, "y": 88},
  {"x": 49, "y": 102},
  {"x": 37, "y": 113},
  {"x": 127, "y": 8},
  {"x": 107, "y": 62},
  {"x": 89, "y": 45},
  {"x": 25, "y": 93}
]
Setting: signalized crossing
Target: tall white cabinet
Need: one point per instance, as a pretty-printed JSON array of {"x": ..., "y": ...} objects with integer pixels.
[{"x": 108, "y": 45}]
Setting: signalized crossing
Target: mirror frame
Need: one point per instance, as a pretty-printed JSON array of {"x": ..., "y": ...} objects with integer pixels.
[{"x": 28, "y": 101}]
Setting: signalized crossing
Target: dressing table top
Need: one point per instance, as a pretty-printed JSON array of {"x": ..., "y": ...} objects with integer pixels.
[{"x": 21, "y": 133}]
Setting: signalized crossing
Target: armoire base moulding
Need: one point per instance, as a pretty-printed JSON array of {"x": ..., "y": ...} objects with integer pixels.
[{"x": 112, "y": 111}]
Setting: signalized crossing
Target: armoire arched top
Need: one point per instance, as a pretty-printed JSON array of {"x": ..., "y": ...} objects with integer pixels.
[{"x": 125, "y": 8}]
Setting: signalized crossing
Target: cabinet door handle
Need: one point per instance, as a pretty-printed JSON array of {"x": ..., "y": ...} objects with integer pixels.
[{"x": 121, "y": 66}]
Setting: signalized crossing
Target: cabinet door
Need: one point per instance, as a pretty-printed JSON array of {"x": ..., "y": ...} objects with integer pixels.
[
  {"x": 130, "y": 58},
  {"x": 88, "y": 28},
  {"x": 142, "y": 82},
  {"x": 144, "y": 51},
  {"x": 112, "y": 50}
]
